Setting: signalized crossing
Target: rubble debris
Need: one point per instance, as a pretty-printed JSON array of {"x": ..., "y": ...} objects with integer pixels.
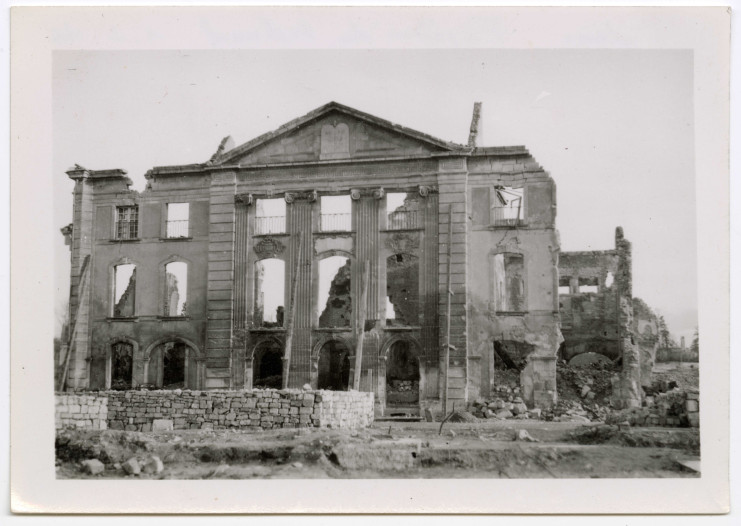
[
  {"x": 131, "y": 467},
  {"x": 153, "y": 465},
  {"x": 92, "y": 466},
  {"x": 524, "y": 436}
]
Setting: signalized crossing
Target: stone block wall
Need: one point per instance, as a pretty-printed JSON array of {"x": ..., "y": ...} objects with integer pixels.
[
  {"x": 675, "y": 408},
  {"x": 253, "y": 409},
  {"x": 81, "y": 411}
]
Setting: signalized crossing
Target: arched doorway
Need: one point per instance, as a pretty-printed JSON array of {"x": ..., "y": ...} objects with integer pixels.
[
  {"x": 173, "y": 364},
  {"x": 122, "y": 365},
  {"x": 334, "y": 367},
  {"x": 402, "y": 377},
  {"x": 267, "y": 366}
]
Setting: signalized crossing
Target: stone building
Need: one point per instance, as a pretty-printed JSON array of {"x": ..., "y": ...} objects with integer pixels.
[
  {"x": 600, "y": 318},
  {"x": 193, "y": 280}
]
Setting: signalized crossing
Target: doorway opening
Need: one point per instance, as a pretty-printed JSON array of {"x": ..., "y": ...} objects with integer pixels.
[
  {"x": 402, "y": 376},
  {"x": 267, "y": 366},
  {"x": 334, "y": 367}
]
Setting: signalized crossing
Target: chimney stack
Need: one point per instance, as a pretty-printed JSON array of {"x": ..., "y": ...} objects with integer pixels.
[{"x": 474, "y": 125}]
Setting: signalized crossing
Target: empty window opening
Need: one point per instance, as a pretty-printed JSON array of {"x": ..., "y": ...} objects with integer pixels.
[
  {"x": 402, "y": 211},
  {"x": 270, "y": 216},
  {"x": 335, "y": 213},
  {"x": 335, "y": 292},
  {"x": 510, "y": 354},
  {"x": 402, "y": 290},
  {"x": 124, "y": 290},
  {"x": 176, "y": 289},
  {"x": 173, "y": 365},
  {"x": 267, "y": 366},
  {"x": 564, "y": 285},
  {"x": 609, "y": 280},
  {"x": 269, "y": 292},
  {"x": 127, "y": 222},
  {"x": 506, "y": 206},
  {"x": 587, "y": 285},
  {"x": 177, "y": 219},
  {"x": 122, "y": 365},
  {"x": 334, "y": 367},
  {"x": 402, "y": 375},
  {"x": 509, "y": 283}
]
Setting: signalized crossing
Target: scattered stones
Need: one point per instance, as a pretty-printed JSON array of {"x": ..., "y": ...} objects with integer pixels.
[
  {"x": 504, "y": 413},
  {"x": 153, "y": 465},
  {"x": 131, "y": 467},
  {"x": 92, "y": 466},
  {"x": 524, "y": 436}
]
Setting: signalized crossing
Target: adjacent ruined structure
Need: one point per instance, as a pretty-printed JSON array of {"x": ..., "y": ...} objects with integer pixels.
[
  {"x": 257, "y": 231},
  {"x": 602, "y": 322}
]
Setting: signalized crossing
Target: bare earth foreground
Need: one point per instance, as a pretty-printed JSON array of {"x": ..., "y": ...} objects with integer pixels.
[{"x": 519, "y": 449}]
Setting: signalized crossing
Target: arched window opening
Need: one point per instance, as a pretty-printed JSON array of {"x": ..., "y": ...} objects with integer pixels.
[
  {"x": 124, "y": 290},
  {"x": 176, "y": 289},
  {"x": 402, "y": 375},
  {"x": 122, "y": 365},
  {"x": 269, "y": 292},
  {"x": 402, "y": 290},
  {"x": 334, "y": 367},
  {"x": 335, "y": 292},
  {"x": 267, "y": 366}
]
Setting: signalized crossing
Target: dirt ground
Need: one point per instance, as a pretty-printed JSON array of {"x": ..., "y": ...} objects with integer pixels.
[{"x": 396, "y": 450}]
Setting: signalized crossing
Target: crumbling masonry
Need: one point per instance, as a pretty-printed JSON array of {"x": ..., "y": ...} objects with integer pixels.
[{"x": 268, "y": 201}]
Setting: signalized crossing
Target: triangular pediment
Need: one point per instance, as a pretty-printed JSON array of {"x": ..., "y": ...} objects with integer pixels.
[{"x": 334, "y": 132}]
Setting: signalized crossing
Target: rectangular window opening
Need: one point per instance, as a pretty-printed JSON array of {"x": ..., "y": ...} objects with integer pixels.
[
  {"x": 564, "y": 285},
  {"x": 402, "y": 211},
  {"x": 127, "y": 222},
  {"x": 588, "y": 285},
  {"x": 509, "y": 283},
  {"x": 507, "y": 206},
  {"x": 270, "y": 216},
  {"x": 335, "y": 213},
  {"x": 177, "y": 219},
  {"x": 176, "y": 289},
  {"x": 124, "y": 290}
]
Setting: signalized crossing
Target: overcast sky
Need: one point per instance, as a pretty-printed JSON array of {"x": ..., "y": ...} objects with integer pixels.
[{"x": 614, "y": 128}]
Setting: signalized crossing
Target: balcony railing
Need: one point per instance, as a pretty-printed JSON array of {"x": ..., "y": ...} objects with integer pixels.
[
  {"x": 126, "y": 229},
  {"x": 403, "y": 220},
  {"x": 336, "y": 222},
  {"x": 270, "y": 225},
  {"x": 509, "y": 215},
  {"x": 177, "y": 228}
]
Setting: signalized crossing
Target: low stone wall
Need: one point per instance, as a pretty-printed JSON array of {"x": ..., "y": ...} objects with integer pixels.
[
  {"x": 675, "y": 408},
  {"x": 82, "y": 411},
  {"x": 264, "y": 409}
]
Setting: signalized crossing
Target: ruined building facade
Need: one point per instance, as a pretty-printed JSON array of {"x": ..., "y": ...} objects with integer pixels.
[
  {"x": 602, "y": 321},
  {"x": 191, "y": 283}
]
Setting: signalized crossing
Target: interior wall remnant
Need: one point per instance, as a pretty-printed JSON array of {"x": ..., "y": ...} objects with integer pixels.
[
  {"x": 402, "y": 290},
  {"x": 510, "y": 354},
  {"x": 337, "y": 308}
]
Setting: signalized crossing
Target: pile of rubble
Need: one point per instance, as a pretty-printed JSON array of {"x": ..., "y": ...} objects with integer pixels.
[
  {"x": 505, "y": 403},
  {"x": 402, "y": 386}
]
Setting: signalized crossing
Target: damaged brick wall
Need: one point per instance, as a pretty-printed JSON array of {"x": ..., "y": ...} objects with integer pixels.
[{"x": 338, "y": 310}]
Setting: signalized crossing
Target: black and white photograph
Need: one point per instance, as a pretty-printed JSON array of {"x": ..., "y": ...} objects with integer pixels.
[{"x": 398, "y": 263}]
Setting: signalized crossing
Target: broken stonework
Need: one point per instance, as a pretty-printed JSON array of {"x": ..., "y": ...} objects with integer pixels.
[{"x": 92, "y": 466}]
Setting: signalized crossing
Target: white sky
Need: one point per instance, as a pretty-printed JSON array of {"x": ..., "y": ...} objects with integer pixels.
[{"x": 614, "y": 128}]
